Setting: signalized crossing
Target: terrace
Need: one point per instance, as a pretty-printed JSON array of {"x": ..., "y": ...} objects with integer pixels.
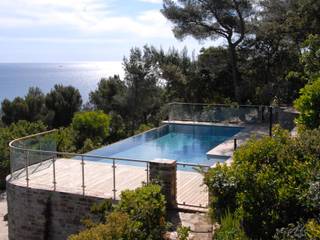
[{"x": 193, "y": 138}]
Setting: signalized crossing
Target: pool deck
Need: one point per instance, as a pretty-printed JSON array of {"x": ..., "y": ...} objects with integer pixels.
[
  {"x": 191, "y": 192},
  {"x": 99, "y": 180}
]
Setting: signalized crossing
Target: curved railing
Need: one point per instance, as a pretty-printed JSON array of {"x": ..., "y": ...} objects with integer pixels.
[{"x": 31, "y": 154}]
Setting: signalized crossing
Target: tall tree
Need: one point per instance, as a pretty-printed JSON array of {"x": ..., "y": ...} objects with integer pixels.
[
  {"x": 213, "y": 19},
  {"x": 143, "y": 92},
  {"x": 14, "y": 111},
  {"x": 109, "y": 96},
  {"x": 35, "y": 100},
  {"x": 62, "y": 102}
]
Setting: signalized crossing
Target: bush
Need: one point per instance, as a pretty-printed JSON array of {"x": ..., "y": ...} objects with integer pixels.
[
  {"x": 93, "y": 125},
  {"x": 291, "y": 232},
  {"x": 271, "y": 183},
  {"x": 308, "y": 104},
  {"x": 118, "y": 227},
  {"x": 313, "y": 229},
  {"x": 230, "y": 229},
  {"x": 146, "y": 205},
  {"x": 183, "y": 232},
  {"x": 140, "y": 214}
]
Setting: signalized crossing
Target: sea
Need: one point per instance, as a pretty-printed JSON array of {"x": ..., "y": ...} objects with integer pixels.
[{"x": 17, "y": 78}]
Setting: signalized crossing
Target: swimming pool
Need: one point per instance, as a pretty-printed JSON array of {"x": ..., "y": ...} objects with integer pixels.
[{"x": 180, "y": 142}]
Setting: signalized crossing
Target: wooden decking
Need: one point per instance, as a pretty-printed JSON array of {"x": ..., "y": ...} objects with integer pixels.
[{"x": 99, "y": 180}]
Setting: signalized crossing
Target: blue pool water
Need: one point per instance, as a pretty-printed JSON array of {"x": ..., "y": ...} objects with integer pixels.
[{"x": 180, "y": 142}]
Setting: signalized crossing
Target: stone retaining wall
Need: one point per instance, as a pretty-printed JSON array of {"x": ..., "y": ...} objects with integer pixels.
[{"x": 36, "y": 214}]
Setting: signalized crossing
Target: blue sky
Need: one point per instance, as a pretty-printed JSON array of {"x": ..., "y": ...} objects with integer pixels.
[{"x": 82, "y": 30}]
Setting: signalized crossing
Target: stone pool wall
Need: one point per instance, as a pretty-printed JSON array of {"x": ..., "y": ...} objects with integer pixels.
[{"x": 35, "y": 214}]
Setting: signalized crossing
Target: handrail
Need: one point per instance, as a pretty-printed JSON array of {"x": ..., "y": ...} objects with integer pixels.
[
  {"x": 30, "y": 136},
  {"x": 11, "y": 145},
  {"x": 26, "y": 153},
  {"x": 217, "y": 104},
  {"x": 192, "y": 164}
]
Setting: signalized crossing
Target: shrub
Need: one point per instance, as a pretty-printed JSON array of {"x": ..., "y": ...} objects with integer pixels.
[
  {"x": 140, "y": 214},
  {"x": 291, "y": 232},
  {"x": 222, "y": 187},
  {"x": 230, "y": 229},
  {"x": 183, "y": 232},
  {"x": 118, "y": 227},
  {"x": 146, "y": 205},
  {"x": 93, "y": 125},
  {"x": 271, "y": 183},
  {"x": 309, "y": 105},
  {"x": 313, "y": 229}
]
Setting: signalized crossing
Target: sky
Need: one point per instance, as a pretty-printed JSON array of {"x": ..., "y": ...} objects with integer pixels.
[{"x": 83, "y": 30}]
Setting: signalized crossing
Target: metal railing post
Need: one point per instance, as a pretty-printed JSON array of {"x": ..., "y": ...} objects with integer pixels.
[
  {"x": 147, "y": 172},
  {"x": 11, "y": 161},
  {"x": 270, "y": 121},
  {"x": 82, "y": 167},
  {"x": 27, "y": 168},
  {"x": 114, "y": 178},
  {"x": 41, "y": 154},
  {"x": 170, "y": 112},
  {"x": 54, "y": 173}
]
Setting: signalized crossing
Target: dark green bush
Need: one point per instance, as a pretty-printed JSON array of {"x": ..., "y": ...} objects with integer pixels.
[
  {"x": 140, "y": 214},
  {"x": 146, "y": 205},
  {"x": 271, "y": 183},
  {"x": 308, "y": 104}
]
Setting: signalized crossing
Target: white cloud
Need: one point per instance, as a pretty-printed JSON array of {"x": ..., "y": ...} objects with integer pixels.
[
  {"x": 87, "y": 17},
  {"x": 152, "y": 1}
]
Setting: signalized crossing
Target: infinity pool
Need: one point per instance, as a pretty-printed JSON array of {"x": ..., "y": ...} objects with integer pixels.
[{"x": 180, "y": 142}]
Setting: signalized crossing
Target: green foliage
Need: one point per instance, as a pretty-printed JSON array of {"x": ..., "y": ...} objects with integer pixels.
[
  {"x": 230, "y": 229},
  {"x": 222, "y": 187},
  {"x": 313, "y": 229},
  {"x": 118, "y": 227},
  {"x": 207, "y": 19},
  {"x": 90, "y": 128},
  {"x": 102, "y": 210},
  {"x": 308, "y": 104},
  {"x": 146, "y": 206},
  {"x": 62, "y": 102},
  {"x": 143, "y": 92},
  {"x": 143, "y": 127},
  {"x": 291, "y": 232},
  {"x": 271, "y": 183},
  {"x": 140, "y": 214},
  {"x": 65, "y": 139},
  {"x": 117, "y": 128},
  {"x": 311, "y": 56},
  {"x": 109, "y": 96},
  {"x": 183, "y": 232}
]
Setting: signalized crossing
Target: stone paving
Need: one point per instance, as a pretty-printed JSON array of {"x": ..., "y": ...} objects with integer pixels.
[
  {"x": 3, "y": 213},
  {"x": 199, "y": 223}
]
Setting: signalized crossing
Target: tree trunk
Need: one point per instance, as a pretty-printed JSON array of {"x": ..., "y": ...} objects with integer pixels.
[{"x": 235, "y": 72}]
